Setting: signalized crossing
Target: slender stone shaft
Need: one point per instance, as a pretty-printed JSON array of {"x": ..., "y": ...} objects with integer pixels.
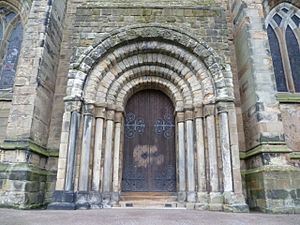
[
  {"x": 85, "y": 153},
  {"x": 181, "y": 157},
  {"x": 212, "y": 153},
  {"x": 200, "y": 155},
  {"x": 75, "y": 119},
  {"x": 97, "y": 154},
  {"x": 116, "y": 157},
  {"x": 237, "y": 186},
  {"x": 226, "y": 155},
  {"x": 190, "y": 156},
  {"x": 107, "y": 174}
]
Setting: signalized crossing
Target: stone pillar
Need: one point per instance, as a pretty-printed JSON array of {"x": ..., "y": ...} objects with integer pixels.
[
  {"x": 65, "y": 199},
  {"x": 190, "y": 164},
  {"x": 107, "y": 174},
  {"x": 235, "y": 154},
  {"x": 225, "y": 151},
  {"x": 100, "y": 117},
  {"x": 201, "y": 161},
  {"x": 71, "y": 159},
  {"x": 117, "y": 145},
  {"x": 215, "y": 198},
  {"x": 86, "y": 148},
  {"x": 234, "y": 200},
  {"x": 181, "y": 157}
]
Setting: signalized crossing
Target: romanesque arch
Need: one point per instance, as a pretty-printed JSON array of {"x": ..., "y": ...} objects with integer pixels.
[{"x": 200, "y": 86}]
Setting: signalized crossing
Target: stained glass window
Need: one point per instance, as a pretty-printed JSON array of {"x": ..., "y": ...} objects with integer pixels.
[
  {"x": 294, "y": 56},
  {"x": 283, "y": 27},
  {"x": 277, "y": 61},
  {"x": 11, "y": 35}
]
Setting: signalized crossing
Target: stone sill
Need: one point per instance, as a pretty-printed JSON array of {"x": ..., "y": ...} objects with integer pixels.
[
  {"x": 295, "y": 155},
  {"x": 28, "y": 145},
  {"x": 265, "y": 148},
  {"x": 270, "y": 168},
  {"x": 288, "y": 97}
]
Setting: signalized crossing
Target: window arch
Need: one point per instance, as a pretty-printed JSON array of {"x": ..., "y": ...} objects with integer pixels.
[
  {"x": 283, "y": 28},
  {"x": 11, "y": 36}
]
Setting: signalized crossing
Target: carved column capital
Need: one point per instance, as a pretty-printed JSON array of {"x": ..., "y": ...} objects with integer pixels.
[
  {"x": 73, "y": 105},
  {"x": 89, "y": 109},
  {"x": 180, "y": 117},
  {"x": 100, "y": 112},
  {"x": 224, "y": 107},
  {"x": 189, "y": 114},
  {"x": 118, "y": 117},
  {"x": 209, "y": 110},
  {"x": 198, "y": 112},
  {"x": 110, "y": 114}
]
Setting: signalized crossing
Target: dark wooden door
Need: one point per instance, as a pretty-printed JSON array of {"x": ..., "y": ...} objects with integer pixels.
[{"x": 149, "y": 162}]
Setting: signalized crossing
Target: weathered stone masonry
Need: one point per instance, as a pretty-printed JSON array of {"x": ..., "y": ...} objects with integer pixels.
[{"x": 82, "y": 60}]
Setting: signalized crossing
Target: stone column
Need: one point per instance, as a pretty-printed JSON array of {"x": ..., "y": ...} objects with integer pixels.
[
  {"x": 64, "y": 196},
  {"x": 201, "y": 162},
  {"x": 190, "y": 164},
  {"x": 100, "y": 117},
  {"x": 225, "y": 149},
  {"x": 117, "y": 145},
  {"x": 216, "y": 200},
  {"x": 181, "y": 157},
  {"x": 107, "y": 173},
  {"x": 235, "y": 154},
  {"x": 86, "y": 148},
  {"x": 71, "y": 163}
]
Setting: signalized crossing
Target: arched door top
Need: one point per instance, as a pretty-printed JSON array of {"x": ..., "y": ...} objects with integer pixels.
[{"x": 146, "y": 52}]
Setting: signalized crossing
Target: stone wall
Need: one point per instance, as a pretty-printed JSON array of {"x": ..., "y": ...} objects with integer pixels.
[
  {"x": 4, "y": 113},
  {"x": 270, "y": 167},
  {"x": 87, "y": 22},
  {"x": 26, "y": 167},
  {"x": 291, "y": 123}
]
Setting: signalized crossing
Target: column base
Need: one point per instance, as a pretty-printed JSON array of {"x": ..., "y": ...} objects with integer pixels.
[
  {"x": 115, "y": 198},
  {"x": 216, "y": 201},
  {"x": 202, "y": 201},
  {"x": 234, "y": 203},
  {"x": 181, "y": 196},
  {"x": 191, "y": 196},
  {"x": 106, "y": 199},
  {"x": 88, "y": 200},
  {"x": 63, "y": 200}
]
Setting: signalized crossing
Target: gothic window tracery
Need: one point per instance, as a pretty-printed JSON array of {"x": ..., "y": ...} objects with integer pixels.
[
  {"x": 283, "y": 28},
  {"x": 11, "y": 36}
]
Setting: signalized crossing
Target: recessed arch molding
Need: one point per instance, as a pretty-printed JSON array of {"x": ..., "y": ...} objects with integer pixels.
[{"x": 199, "y": 84}]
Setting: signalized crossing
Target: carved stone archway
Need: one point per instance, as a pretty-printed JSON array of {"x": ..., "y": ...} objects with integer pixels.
[{"x": 190, "y": 73}]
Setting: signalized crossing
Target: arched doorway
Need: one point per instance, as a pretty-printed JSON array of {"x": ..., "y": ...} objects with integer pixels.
[{"x": 149, "y": 160}]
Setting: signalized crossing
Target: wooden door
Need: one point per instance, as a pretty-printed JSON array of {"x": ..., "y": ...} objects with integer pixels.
[{"x": 149, "y": 162}]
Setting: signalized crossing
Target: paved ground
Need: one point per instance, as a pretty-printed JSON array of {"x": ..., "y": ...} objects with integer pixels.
[{"x": 140, "y": 217}]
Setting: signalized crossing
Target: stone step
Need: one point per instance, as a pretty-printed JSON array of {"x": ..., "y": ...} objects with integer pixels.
[
  {"x": 149, "y": 204},
  {"x": 149, "y": 196}
]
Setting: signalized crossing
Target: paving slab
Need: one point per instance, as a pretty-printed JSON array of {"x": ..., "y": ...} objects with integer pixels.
[{"x": 140, "y": 217}]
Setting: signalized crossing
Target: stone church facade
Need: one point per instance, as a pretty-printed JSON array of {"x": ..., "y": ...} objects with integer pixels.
[{"x": 193, "y": 103}]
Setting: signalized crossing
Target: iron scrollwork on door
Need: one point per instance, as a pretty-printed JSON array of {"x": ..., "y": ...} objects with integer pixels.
[
  {"x": 165, "y": 126},
  {"x": 133, "y": 125}
]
